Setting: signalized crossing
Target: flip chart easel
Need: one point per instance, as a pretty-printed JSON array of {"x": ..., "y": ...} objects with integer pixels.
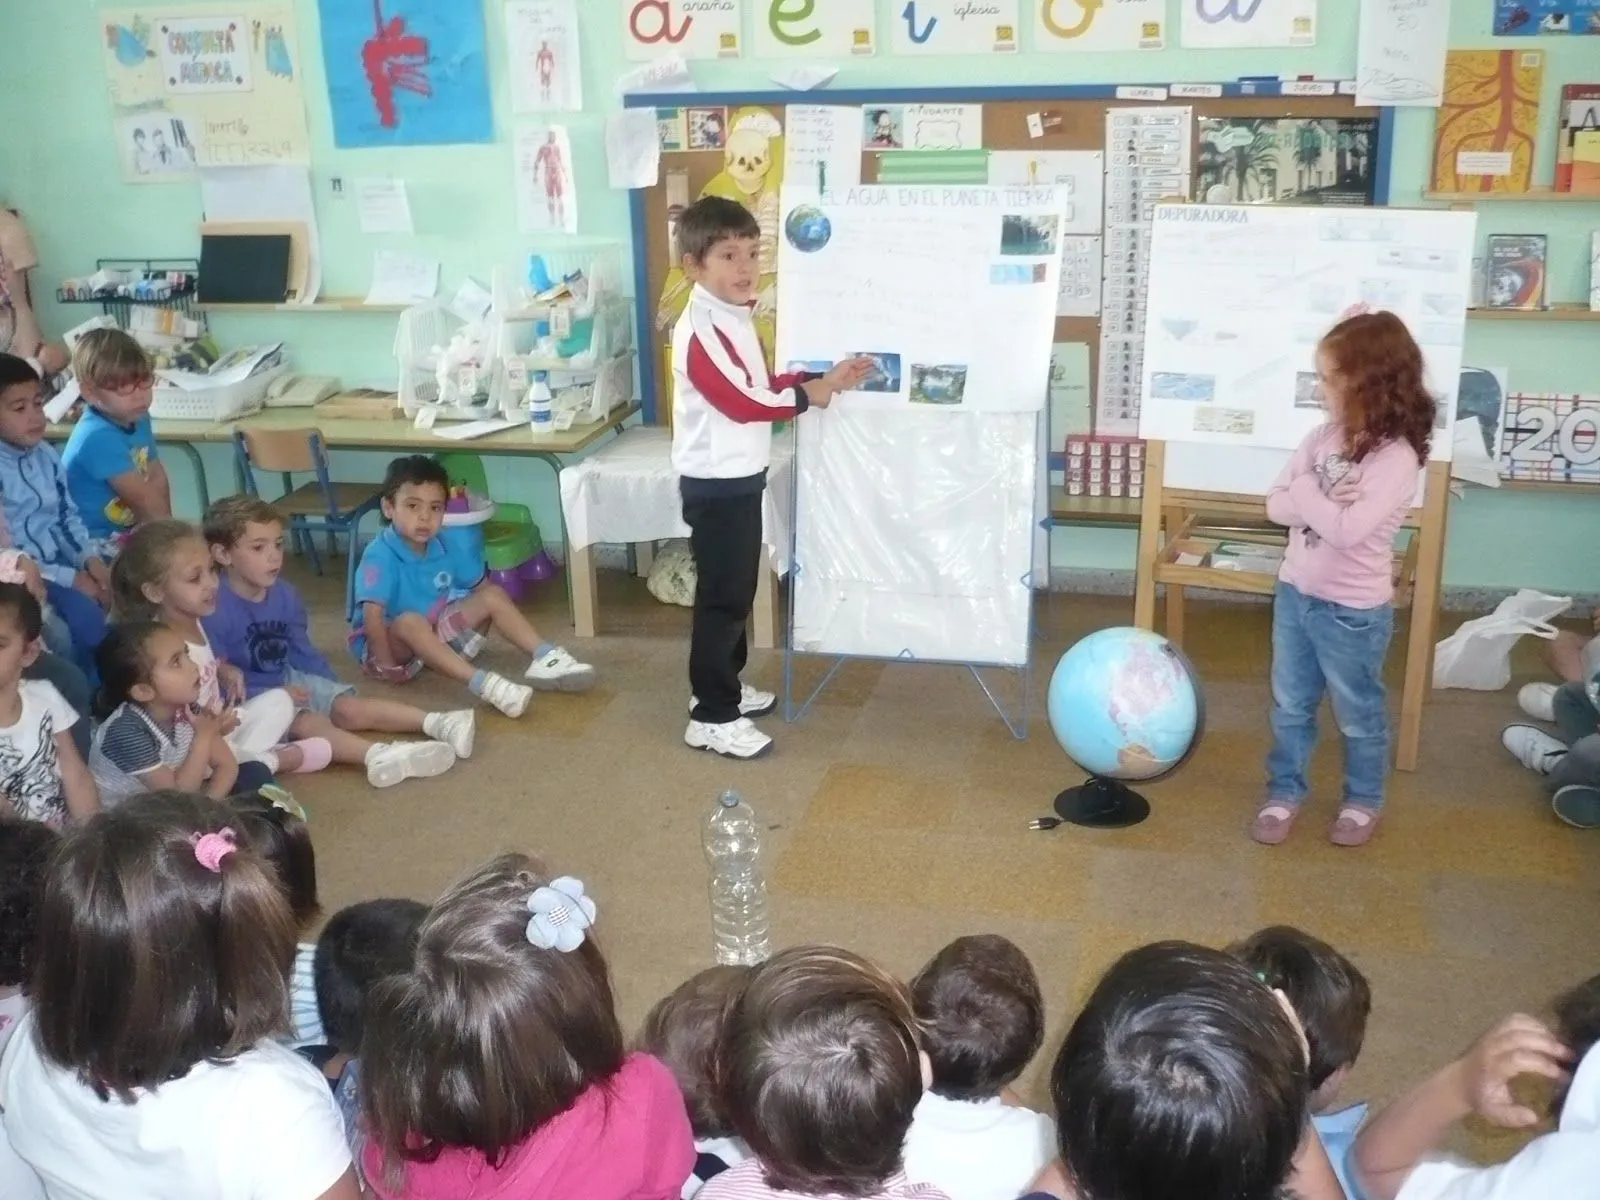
[{"x": 1186, "y": 515}]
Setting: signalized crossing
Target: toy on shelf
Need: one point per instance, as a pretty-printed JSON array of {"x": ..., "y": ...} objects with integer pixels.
[{"x": 1111, "y": 467}]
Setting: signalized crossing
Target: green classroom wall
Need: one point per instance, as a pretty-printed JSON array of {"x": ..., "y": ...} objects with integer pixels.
[{"x": 57, "y": 165}]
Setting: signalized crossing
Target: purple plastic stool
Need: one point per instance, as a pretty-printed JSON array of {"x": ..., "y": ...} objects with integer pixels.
[
  {"x": 511, "y": 582},
  {"x": 539, "y": 569}
]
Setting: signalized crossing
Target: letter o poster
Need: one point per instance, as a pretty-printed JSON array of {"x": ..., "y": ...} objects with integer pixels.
[{"x": 689, "y": 28}]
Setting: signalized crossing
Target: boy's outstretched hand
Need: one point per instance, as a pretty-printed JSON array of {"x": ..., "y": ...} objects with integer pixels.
[{"x": 850, "y": 374}]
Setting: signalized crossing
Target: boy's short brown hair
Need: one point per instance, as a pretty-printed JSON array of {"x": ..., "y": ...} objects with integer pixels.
[
  {"x": 982, "y": 1015},
  {"x": 1328, "y": 993},
  {"x": 110, "y": 358},
  {"x": 708, "y": 221},
  {"x": 225, "y": 520},
  {"x": 820, "y": 1071},
  {"x": 683, "y": 1029}
]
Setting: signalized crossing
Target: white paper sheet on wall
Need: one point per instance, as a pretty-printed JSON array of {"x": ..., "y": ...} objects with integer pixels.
[
  {"x": 382, "y": 206},
  {"x": 266, "y": 193},
  {"x": 547, "y": 197},
  {"x": 633, "y": 148},
  {"x": 1248, "y": 24},
  {"x": 1079, "y": 294},
  {"x": 822, "y": 146},
  {"x": 1402, "y": 49},
  {"x": 546, "y": 70}
]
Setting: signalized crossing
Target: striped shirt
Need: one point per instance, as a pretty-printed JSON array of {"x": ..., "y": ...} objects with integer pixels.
[
  {"x": 304, "y": 1016},
  {"x": 746, "y": 1181}
]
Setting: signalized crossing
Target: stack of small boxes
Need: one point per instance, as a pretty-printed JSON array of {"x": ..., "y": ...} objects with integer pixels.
[{"x": 1105, "y": 467}]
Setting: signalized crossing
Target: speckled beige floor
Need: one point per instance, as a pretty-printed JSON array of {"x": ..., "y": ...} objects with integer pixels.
[{"x": 898, "y": 806}]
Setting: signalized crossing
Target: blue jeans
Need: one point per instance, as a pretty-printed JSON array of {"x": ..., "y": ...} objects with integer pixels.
[
  {"x": 86, "y": 626},
  {"x": 1319, "y": 646}
]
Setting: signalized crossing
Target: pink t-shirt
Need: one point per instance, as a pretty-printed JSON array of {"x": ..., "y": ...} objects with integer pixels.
[
  {"x": 1343, "y": 552},
  {"x": 627, "y": 1140}
]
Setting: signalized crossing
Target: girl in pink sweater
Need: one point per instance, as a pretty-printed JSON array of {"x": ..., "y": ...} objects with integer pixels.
[
  {"x": 495, "y": 1068},
  {"x": 1343, "y": 496}
]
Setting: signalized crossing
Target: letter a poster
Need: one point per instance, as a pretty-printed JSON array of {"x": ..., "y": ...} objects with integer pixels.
[
  {"x": 406, "y": 72},
  {"x": 688, "y": 28},
  {"x": 203, "y": 87}
]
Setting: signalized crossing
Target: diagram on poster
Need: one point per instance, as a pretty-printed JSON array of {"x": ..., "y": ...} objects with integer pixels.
[
  {"x": 1068, "y": 26},
  {"x": 203, "y": 87},
  {"x": 935, "y": 284},
  {"x": 814, "y": 28},
  {"x": 954, "y": 27},
  {"x": 1239, "y": 296},
  {"x": 406, "y": 72},
  {"x": 688, "y": 28},
  {"x": 1247, "y": 24},
  {"x": 542, "y": 53},
  {"x": 546, "y": 197}
]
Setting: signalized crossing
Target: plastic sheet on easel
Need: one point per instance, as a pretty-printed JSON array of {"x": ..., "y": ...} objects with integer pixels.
[
  {"x": 1478, "y": 654},
  {"x": 915, "y": 534}
]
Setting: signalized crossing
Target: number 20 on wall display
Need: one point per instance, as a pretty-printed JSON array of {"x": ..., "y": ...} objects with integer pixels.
[
  {"x": 1551, "y": 438},
  {"x": 690, "y": 28}
]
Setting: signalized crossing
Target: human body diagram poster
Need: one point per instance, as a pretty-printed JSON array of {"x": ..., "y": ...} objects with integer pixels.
[
  {"x": 203, "y": 87},
  {"x": 1239, "y": 296}
]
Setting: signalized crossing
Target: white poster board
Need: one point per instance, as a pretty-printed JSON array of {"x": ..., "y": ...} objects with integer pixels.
[
  {"x": 915, "y": 497},
  {"x": 1239, "y": 296}
]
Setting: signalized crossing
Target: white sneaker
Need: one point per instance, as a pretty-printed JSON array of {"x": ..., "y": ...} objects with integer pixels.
[
  {"x": 1533, "y": 748},
  {"x": 753, "y": 702},
  {"x": 457, "y": 728},
  {"x": 736, "y": 739},
  {"x": 510, "y": 698},
  {"x": 1538, "y": 700},
  {"x": 389, "y": 763},
  {"x": 558, "y": 671}
]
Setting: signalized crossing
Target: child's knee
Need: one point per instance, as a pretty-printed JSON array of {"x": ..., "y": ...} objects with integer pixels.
[
  {"x": 493, "y": 595},
  {"x": 342, "y": 712}
]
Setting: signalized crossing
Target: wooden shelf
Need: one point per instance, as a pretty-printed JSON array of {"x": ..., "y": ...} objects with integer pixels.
[
  {"x": 1547, "y": 485},
  {"x": 1093, "y": 510},
  {"x": 347, "y": 304},
  {"x": 1556, "y": 312},
  {"x": 1538, "y": 195}
]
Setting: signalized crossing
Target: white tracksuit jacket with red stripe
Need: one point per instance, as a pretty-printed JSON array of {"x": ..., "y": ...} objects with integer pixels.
[{"x": 724, "y": 399}]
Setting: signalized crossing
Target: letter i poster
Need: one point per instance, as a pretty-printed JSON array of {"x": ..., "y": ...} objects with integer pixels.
[
  {"x": 406, "y": 72},
  {"x": 688, "y": 28},
  {"x": 203, "y": 87}
]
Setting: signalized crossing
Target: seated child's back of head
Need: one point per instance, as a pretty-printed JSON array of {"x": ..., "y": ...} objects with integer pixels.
[
  {"x": 1328, "y": 992},
  {"x": 982, "y": 1016},
  {"x": 683, "y": 1031},
  {"x": 275, "y": 826},
  {"x": 359, "y": 946},
  {"x": 1577, "y": 1016},
  {"x": 24, "y": 848},
  {"x": 820, "y": 1073},
  {"x": 1181, "y": 1077}
]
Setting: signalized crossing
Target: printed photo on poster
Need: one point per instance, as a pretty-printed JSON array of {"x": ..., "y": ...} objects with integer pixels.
[
  {"x": 671, "y": 129},
  {"x": 1031, "y": 237},
  {"x": 708, "y": 128},
  {"x": 883, "y": 128},
  {"x": 1253, "y": 160},
  {"x": 154, "y": 148},
  {"x": 542, "y": 53},
  {"x": 546, "y": 198},
  {"x": 406, "y": 73},
  {"x": 1534, "y": 18},
  {"x": 1307, "y": 390},
  {"x": 943, "y": 383},
  {"x": 885, "y": 376},
  {"x": 1177, "y": 385}
]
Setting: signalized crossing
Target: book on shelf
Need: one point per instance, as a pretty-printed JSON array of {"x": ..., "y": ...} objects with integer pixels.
[
  {"x": 1515, "y": 270},
  {"x": 1486, "y": 126},
  {"x": 1578, "y": 133}
]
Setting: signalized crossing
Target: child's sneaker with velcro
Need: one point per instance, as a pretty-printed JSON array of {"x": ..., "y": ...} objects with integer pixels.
[
  {"x": 557, "y": 671},
  {"x": 733, "y": 739},
  {"x": 753, "y": 702}
]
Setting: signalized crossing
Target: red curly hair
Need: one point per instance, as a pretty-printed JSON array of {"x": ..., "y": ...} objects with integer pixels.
[{"x": 1378, "y": 366}]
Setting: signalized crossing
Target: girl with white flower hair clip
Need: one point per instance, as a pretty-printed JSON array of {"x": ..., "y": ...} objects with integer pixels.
[{"x": 496, "y": 1066}]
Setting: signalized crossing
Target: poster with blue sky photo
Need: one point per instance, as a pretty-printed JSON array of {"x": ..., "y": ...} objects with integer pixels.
[{"x": 1532, "y": 18}]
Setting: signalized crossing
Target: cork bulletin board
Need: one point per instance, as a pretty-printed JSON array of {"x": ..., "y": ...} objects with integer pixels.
[{"x": 711, "y": 157}]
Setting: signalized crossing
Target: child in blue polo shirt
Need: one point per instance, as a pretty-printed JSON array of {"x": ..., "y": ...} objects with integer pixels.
[
  {"x": 113, "y": 471},
  {"x": 421, "y": 601}
]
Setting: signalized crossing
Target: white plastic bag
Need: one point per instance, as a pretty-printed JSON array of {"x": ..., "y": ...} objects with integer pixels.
[
  {"x": 1478, "y": 655},
  {"x": 672, "y": 575}
]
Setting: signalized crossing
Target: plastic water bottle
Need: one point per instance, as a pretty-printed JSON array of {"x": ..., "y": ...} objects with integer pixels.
[
  {"x": 539, "y": 402},
  {"x": 739, "y": 926}
]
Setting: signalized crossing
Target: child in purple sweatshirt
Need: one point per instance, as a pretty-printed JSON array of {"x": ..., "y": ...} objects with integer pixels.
[
  {"x": 260, "y": 626},
  {"x": 1343, "y": 495}
]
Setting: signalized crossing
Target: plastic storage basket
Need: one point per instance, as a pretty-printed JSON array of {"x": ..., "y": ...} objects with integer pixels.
[{"x": 168, "y": 403}]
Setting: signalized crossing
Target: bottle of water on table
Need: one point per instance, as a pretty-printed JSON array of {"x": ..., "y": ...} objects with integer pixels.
[
  {"x": 739, "y": 926},
  {"x": 540, "y": 415}
]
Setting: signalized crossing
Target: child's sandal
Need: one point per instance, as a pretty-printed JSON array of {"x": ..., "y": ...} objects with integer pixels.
[
  {"x": 1354, "y": 826},
  {"x": 1274, "y": 820}
]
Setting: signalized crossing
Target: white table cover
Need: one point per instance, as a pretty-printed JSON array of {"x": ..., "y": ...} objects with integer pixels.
[{"x": 627, "y": 492}]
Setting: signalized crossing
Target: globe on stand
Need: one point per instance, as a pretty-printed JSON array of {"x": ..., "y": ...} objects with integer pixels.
[{"x": 1126, "y": 706}]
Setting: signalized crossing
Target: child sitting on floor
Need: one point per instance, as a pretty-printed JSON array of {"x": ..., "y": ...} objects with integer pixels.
[
  {"x": 42, "y": 776},
  {"x": 25, "y": 846},
  {"x": 358, "y": 946},
  {"x": 421, "y": 602},
  {"x": 1332, "y": 999},
  {"x": 1569, "y": 761},
  {"x": 260, "y": 626},
  {"x": 820, "y": 1075},
  {"x": 982, "y": 1018},
  {"x": 495, "y": 1066},
  {"x": 683, "y": 1030},
  {"x": 113, "y": 470},
  {"x": 41, "y": 516}
]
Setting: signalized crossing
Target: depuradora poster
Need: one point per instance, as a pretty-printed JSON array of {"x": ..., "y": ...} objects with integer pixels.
[{"x": 1253, "y": 160}]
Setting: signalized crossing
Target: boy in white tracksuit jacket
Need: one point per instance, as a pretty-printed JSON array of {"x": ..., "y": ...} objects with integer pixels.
[{"x": 723, "y": 406}]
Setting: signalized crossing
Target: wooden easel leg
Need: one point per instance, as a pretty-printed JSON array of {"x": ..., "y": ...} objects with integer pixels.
[
  {"x": 766, "y": 608},
  {"x": 1424, "y": 623},
  {"x": 1144, "y": 578},
  {"x": 1172, "y": 519},
  {"x": 580, "y": 570}
]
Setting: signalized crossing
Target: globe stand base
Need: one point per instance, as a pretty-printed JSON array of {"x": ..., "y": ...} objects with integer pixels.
[{"x": 1100, "y": 803}]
